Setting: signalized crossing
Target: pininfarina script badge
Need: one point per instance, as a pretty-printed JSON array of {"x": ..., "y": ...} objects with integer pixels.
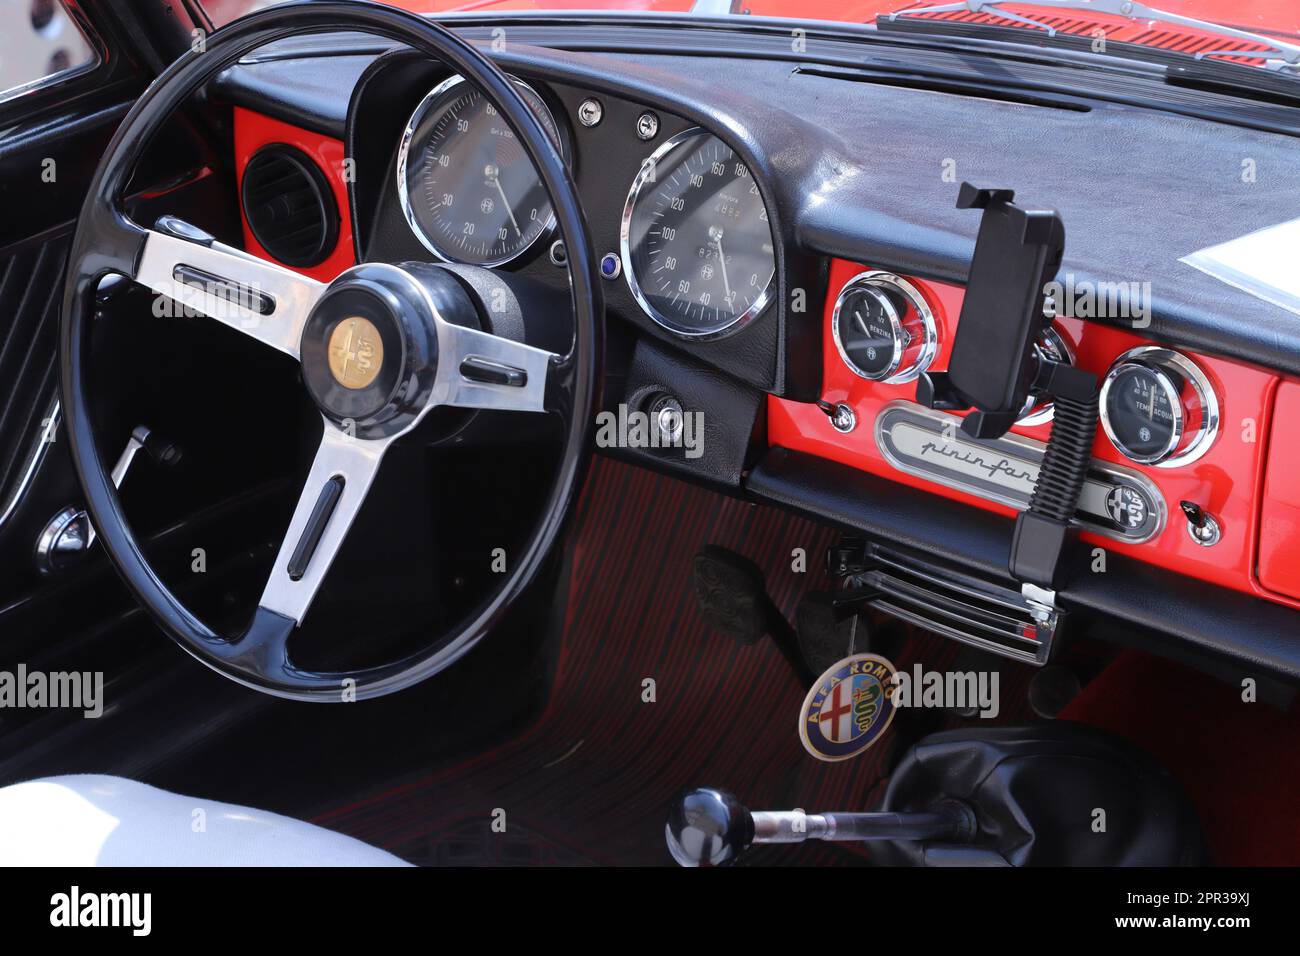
[
  {"x": 1114, "y": 501},
  {"x": 848, "y": 708}
]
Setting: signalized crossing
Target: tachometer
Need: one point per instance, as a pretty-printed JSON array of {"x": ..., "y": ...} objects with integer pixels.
[
  {"x": 696, "y": 244},
  {"x": 467, "y": 186}
]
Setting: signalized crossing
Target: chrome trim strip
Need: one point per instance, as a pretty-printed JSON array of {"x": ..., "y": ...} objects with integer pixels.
[
  {"x": 403, "y": 150},
  {"x": 647, "y": 173},
  {"x": 1033, "y": 450},
  {"x": 1037, "y": 657},
  {"x": 963, "y": 612},
  {"x": 950, "y": 583},
  {"x": 34, "y": 459}
]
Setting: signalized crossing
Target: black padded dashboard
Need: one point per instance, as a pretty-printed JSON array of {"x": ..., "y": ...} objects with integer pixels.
[{"x": 855, "y": 166}]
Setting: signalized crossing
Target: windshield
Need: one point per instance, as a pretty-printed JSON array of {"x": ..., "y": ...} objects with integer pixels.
[{"x": 1225, "y": 30}]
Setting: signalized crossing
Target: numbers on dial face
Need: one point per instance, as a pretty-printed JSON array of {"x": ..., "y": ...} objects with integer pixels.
[
  {"x": 697, "y": 245},
  {"x": 867, "y": 333},
  {"x": 472, "y": 193},
  {"x": 1141, "y": 414}
]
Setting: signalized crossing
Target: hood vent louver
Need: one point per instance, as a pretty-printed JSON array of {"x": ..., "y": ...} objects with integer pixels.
[
  {"x": 290, "y": 206},
  {"x": 1188, "y": 40}
]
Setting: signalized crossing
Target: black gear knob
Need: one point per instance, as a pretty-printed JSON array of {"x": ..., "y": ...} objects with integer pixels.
[{"x": 708, "y": 827}]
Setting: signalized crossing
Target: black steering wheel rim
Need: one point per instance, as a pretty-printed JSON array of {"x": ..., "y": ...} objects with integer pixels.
[{"x": 107, "y": 242}]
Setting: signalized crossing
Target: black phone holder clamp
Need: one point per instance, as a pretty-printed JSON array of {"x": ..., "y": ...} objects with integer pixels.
[{"x": 995, "y": 366}]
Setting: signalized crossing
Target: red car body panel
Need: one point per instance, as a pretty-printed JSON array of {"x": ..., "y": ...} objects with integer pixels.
[{"x": 1278, "y": 16}]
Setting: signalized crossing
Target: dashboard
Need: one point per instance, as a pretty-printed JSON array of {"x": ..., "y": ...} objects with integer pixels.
[
  {"x": 1177, "y": 426},
  {"x": 780, "y": 251}
]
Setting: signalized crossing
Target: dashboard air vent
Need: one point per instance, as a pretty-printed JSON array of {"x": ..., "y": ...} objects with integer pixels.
[
  {"x": 965, "y": 608},
  {"x": 290, "y": 206}
]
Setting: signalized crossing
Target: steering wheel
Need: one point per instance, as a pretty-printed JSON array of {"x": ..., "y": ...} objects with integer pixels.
[{"x": 418, "y": 331}]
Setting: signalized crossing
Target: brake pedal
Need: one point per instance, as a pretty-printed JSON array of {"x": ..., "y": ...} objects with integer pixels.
[{"x": 732, "y": 596}]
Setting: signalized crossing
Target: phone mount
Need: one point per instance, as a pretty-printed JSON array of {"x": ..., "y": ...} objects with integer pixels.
[{"x": 995, "y": 366}]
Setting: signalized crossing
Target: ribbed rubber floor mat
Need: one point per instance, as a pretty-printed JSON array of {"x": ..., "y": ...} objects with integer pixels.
[{"x": 592, "y": 780}]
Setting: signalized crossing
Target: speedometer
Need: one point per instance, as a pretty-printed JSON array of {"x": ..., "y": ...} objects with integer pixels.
[
  {"x": 696, "y": 244},
  {"x": 467, "y": 186}
]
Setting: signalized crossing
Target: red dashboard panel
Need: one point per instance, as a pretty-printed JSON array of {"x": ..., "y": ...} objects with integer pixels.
[
  {"x": 1279, "y": 528},
  {"x": 1227, "y": 481},
  {"x": 252, "y": 132}
]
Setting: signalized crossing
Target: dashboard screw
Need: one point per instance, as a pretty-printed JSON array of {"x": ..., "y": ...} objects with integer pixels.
[
  {"x": 590, "y": 112},
  {"x": 647, "y": 125}
]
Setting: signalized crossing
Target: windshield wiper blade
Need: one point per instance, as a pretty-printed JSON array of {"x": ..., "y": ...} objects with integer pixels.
[{"x": 1286, "y": 56}]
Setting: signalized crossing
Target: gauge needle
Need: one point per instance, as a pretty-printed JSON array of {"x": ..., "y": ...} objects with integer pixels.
[
  {"x": 496, "y": 181},
  {"x": 722, "y": 262},
  {"x": 862, "y": 324}
]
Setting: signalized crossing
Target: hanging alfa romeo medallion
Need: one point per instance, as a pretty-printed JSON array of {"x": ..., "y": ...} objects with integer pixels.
[{"x": 848, "y": 708}]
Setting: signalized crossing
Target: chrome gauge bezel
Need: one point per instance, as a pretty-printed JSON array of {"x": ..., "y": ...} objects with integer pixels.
[
  {"x": 1041, "y": 414},
  {"x": 1156, "y": 359},
  {"x": 644, "y": 175},
  {"x": 875, "y": 279},
  {"x": 430, "y": 100}
]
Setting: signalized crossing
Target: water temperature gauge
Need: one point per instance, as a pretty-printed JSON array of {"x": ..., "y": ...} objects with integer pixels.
[
  {"x": 883, "y": 328},
  {"x": 1159, "y": 408}
]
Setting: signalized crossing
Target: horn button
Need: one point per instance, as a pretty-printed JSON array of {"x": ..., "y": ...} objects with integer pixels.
[
  {"x": 356, "y": 352},
  {"x": 369, "y": 349}
]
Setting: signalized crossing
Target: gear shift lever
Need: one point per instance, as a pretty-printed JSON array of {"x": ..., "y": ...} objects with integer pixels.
[{"x": 709, "y": 827}]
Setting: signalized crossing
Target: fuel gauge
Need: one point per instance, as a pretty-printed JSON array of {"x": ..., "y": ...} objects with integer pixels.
[{"x": 883, "y": 329}]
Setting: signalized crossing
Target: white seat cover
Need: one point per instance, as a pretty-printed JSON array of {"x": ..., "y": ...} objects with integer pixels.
[{"x": 95, "y": 820}]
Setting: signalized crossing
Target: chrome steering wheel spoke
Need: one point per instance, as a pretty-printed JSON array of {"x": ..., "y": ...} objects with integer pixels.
[
  {"x": 336, "y": 487},
  {"x": 480, "y": 370},
  {"x": 266, "y": 302}
]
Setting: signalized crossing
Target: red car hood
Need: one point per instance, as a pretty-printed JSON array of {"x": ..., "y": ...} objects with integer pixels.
[{"x": 1279, "y": 17}]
